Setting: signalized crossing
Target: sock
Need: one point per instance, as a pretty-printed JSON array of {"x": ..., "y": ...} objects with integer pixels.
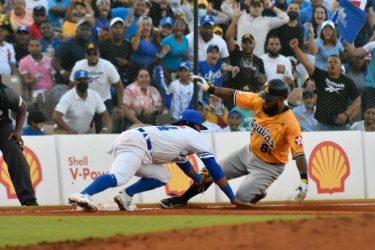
[
  {"x": 144, "y": 184},
  {"x": 192, "y": 191},
  {"x": 100, "y": 184}
]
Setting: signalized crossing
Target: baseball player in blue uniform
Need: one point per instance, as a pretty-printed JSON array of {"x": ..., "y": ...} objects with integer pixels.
[{"x": 142, "y": 151}]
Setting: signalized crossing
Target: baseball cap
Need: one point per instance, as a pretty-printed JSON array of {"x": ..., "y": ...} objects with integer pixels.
[
  {"x": 185, "y": 65},
  {"x": 166, "y": 21},
  {"x": 81, "y": 74},
  {"x": 328, "y": 23},
  {"x": 308, "y": 92},
  {"x": 145, "y": 19},
  {"x": 82, "y": 22},
  {"x": 203, "y": 2},
  {"x": 235, "y": 112},
  {"x": 248, "y": 36},
  {"x": 40, "y": 9},
  {"x": 207, "y": 19},
  {"x": 274, "y": 89},
  {"x": 218, "y": 29},
  {"x": 116, "y": 20},
  {"x": 23, "y": 28},
  {"x": 211, "y": 47},
  {"x": 91, "y": 46},
  {"x": 192, "y": 116}
]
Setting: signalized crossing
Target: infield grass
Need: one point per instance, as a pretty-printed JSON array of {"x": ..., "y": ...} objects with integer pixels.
[{"x": 26, "y": 230}]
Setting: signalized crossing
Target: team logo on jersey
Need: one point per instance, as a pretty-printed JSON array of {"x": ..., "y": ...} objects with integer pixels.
[
  {"x": 264, "y": 132},
  {"x": 299, "y": 141},
  {"x": 329, "y": 167},
  {"x": 179, "y": 182},
  {"x": 35, "y": 172}
]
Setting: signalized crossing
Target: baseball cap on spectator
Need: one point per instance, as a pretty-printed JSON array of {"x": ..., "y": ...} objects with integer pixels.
[
  {"x": 207, "y": 19},
  {"x": 328, "y": 23},
  {"x": 234, "y": 112},
  {"x": 218, "y": 30},
  {"x": 39, "y": 10},
  {"x": 211, "y": 47},
  {"x": 166, "y": 21},
  {"x": 248, "y": 36},
  {"x": 23, "y": 29},
  {"x": 203, "y": 2},
  {"x": 145, "y": 19},
  {"x": 256, "y": 3},
  {"x": 308, "y": 93},
  {"x": 81, "y": 74},
  {"x": 116, "y": 20},
  {"x": 91, "y": 47},
  {"x": 83, "y": 22},
  {"x": 185, "y": 65}
]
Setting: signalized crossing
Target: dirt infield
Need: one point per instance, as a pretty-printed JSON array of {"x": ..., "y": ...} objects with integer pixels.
[{"x": 349, "y": 225}]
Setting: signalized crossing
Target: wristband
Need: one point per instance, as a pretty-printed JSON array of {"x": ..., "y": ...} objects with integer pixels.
[{"x": 211, "y": 90}]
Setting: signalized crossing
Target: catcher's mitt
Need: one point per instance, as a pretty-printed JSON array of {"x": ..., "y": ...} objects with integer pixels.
[{"x": 206, "y": 180}]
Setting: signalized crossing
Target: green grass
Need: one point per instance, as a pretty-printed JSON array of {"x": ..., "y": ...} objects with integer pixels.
[{"x": 26, "y": 230}]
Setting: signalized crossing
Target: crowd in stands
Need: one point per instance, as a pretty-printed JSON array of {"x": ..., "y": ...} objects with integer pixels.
[{"x": 109, "y": 65}]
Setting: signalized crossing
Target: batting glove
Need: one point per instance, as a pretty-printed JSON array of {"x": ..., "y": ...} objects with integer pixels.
[
  {"x": 201, "y": 82},
  {"x": 302, "y": 190}
]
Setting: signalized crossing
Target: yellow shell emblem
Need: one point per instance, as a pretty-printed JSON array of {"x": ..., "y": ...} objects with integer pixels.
[
  {"x": 35, "y": 172},
  {"x": 329, "y": 167},
  {"x": 179, "y": 182}
]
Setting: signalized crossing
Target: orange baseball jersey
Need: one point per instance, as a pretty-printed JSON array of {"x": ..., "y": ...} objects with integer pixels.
[{"x": 271, "y": 136}]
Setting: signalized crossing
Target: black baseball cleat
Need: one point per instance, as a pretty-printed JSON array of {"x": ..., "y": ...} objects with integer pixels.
[{"x": 172, "y": 202}]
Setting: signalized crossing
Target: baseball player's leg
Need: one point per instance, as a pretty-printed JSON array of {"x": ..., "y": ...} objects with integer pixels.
[{"x": 18, "y": 168}]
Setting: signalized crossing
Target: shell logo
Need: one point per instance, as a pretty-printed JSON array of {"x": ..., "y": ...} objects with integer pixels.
[
  {"x": 35, "y": 172},
  {"x": 329, "y": 167},
  {"x": 179, "y": 182}
]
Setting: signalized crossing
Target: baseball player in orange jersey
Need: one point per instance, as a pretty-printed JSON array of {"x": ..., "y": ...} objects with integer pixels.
[{"x": 273, "y": 131}]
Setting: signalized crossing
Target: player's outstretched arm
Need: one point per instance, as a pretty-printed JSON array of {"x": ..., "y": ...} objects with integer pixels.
[
  {"x": 226, "y": 94},
  {"x": 304, "y": 183}
]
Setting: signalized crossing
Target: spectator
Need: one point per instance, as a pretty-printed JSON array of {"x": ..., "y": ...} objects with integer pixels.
[
  {"x": 211, "y": 127},
  {"x": 77, "y": 107},
  {"x": 277, "y": 66},
  {"x": 50, "y": 43},
  {"x": 213, "y": 67},
  {"x": 19, "y": 15},
  {"x": 205, "y": 39},
  {"x": 35, "y": 122},
  {"x": 178, "y": 46},
  {"x": 305, "y": 112},
  {"x": 133, "y": 17},
  {"x": 257, "y": 25},
  {"x": 145, "y": 47},
  {"x": 117, "y": 50},
  {"x": 8, "y": 63},
  {"x": 159, "y": 10},
  {"x": 338, "y": 98},
  {"x": 234, "y": 122},
  {"x": 326, "y": 45},
  {"x": 39, "y": 15},
  {"x": 357, "y": 71},
  {"x": 307, "y": 13},
  {"x": 103, "y": 75},
  {"x": 142, "y": 102},
  {"x": 36, "y": 70},
  {"x": 182, "y": 90},
  {"x": 295, "y": 97},
  {"x": 68, "y": 54},
  {"x": 21, "y": 41},
  {"x": 56, "y": 13},
  {"x": 78, "y": 12},
  {"x": 314, "y": 27},
  {"x": 217, "y": 113},
  {"x": 30, "y": 5},
  {"x": 205, "y": 8},
  {"x": 368, "y": 124},
  {"x": 252, "y": 74},
  {"x": 101, "y": 28},
  {"x": 166, "y": 27},
  {"x": 290, "y": 30},
  {"x": 369, "y": 89}
]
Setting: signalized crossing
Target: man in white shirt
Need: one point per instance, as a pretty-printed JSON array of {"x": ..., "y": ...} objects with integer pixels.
[
  {"x": 205, "y": 39},
  {"x": 276, "y": 66},
  {"x": 103, "y": 74},
  {"x": 7, "y": 54},
  {"x": 77, "y": 107}
]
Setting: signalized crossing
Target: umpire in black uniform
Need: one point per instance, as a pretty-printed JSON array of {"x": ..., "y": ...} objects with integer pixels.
[{"x": 11, "y": 145}]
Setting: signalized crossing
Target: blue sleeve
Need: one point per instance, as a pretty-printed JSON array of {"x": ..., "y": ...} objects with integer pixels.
[
  {"x": 186, "y": 167},
  {"x": 214, "y": 168}
]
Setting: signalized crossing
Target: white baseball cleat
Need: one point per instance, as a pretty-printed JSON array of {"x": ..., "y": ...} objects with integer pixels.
[
  {"x": 84, "y": 201},
  {"x": 124, "y": 201}
]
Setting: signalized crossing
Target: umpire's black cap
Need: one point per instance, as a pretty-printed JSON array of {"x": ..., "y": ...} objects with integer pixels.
[{"x": 274, "y": 89}]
